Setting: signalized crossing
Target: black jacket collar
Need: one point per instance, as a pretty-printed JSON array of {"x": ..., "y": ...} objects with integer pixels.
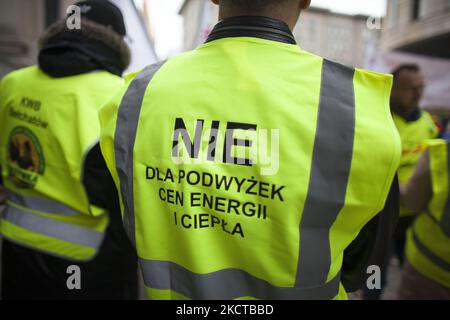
[
  {"x": 252, "y": 26},
  {"x": 414, "y": 116}
]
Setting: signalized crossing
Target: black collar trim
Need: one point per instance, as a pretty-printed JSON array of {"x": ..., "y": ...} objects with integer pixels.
[{"x": 252, "y": 26}]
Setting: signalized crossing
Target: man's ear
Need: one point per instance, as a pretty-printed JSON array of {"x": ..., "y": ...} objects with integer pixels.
[
  {"x": 216, "y": 2},
  {"x": 304, "y": 4}
]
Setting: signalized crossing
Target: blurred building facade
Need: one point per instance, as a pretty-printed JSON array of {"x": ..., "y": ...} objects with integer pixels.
[
  {"x": 22, "y": 22},
  {"x": 199, "y": 17},
  {"x": 340, "y": 37},
  {"x": 418, "y": 26}
]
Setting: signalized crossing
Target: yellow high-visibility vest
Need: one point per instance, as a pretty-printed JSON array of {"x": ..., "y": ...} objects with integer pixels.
[
  {"x": 428, "y": 242},
  {"x": 414, "y": 136},
  {"x": 47, "y": 126},
  {"x": 247, "y": 166}
]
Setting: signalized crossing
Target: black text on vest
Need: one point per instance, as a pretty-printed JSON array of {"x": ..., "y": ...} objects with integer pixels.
[{"x": 195, "y": 145}]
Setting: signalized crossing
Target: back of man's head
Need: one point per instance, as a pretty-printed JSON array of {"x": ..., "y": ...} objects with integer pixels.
[
  {"x": 256, "y": 5},
  {"x": 285, "y": 10},
  {"x": 96, "y": 44},
  {"x": 412, "y": 67}
]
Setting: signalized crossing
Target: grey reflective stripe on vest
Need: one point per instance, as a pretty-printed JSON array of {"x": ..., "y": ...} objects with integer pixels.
[
  {"x": 226, "y": 284},
  {"x": 41, "y": 204},
  {"x": 445, "y": 219},
  {"x": 124, "y": 138},
  {"x": 330, "y": 170},
  {"x": 52, "y": 228},
  {"x": 430, "y": 255},
  {"x": 433, "y": 218}
]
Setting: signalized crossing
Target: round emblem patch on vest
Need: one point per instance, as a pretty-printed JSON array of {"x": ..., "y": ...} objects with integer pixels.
[{"x": 25, "y": 158}]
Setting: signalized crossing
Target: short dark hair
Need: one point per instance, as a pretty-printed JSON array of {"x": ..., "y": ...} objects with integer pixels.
[
  {"x": 405, "y": 67},
  {"x": 255, "y": 5}
]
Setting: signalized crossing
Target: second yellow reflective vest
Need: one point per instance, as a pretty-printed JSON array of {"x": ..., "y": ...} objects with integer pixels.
[
  {"x": 428, "y": 242},
  {"x": 247, "y": 166},
  {"x": 414, "y": 136},
  {"x": 47, "y": 126}
]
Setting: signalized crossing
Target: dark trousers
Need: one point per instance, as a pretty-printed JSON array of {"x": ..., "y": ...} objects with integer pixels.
[{"x": 112, "y": 274}]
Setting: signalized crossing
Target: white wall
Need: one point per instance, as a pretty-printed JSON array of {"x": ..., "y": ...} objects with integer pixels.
[
  {"x": 142, "y": 50},
  {"x": 21, "y": 23}
]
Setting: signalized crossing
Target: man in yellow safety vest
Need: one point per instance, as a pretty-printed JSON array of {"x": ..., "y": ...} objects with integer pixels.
[{"x": 249, "y": 168}]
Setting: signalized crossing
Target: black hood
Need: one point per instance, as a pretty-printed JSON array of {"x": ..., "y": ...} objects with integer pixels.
[{"x": 65, "y": 52}]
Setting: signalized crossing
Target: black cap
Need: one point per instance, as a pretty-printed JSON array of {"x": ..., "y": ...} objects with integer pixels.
[{"x": 103, "y": 12}]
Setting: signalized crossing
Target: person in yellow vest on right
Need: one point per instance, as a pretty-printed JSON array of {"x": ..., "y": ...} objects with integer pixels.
[
  {"x": 245, "y": 166},
  {"x": 426, "y": 273},
  {"x": 415, "y": 127}
]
